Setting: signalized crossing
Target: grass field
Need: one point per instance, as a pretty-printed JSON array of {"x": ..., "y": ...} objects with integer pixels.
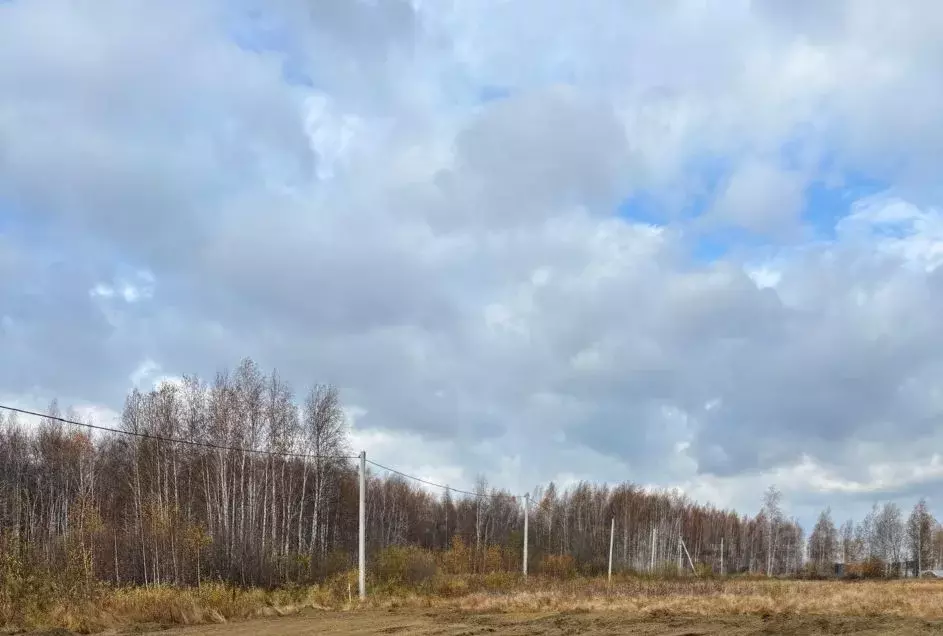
[
  {"x": 636, "y": 605},
  {"x": 593, "y": 623}
]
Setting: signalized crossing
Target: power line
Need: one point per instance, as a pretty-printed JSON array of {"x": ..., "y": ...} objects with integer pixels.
[
  {"x": 442, "y": 486},
  {"x": 160, "y": 438},
  {"x": 190, "y": 442}
]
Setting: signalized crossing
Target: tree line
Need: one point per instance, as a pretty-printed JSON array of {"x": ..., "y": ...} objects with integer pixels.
[
  {"x": 254, "y": 484},
  {"x": 884, "y": 543}
]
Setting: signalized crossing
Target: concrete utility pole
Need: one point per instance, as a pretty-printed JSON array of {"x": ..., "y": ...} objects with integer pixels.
[
  {"x": 651, "y": 567},
  {"x": 526, "y": 529},
  {"x": 363, "y": 525},
  {"x": 721, "y": 556},
  {"x": 769, "y": 550},
  {"x": 612, "y": 537},
  {"x": 688, "y": 554}
]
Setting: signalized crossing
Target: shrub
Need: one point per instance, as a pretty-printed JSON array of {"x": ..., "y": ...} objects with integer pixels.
[
  {"x": 450, "y": 586},
  {"x": 456, "y": 560},
  {"x": 501, "y": 581},
  {"x": 873, "y": 568},
  {"x": 337, "y": 561},
  {"x": 492, "y": 560},
  {"x": 404, "y": 566},
  {"x": 29, "y": 591},
  {"x": 704, "y": 571},
  {"x": 338, "y": 589},
  {"x": 594, "y": 567},
  {"x": 559, "y": 566}
]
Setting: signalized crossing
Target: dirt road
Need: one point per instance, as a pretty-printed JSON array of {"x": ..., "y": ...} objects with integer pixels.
[{"x": 551, "y": 624}]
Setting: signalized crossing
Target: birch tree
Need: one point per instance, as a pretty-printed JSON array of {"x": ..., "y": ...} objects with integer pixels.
[{"x": 920, "y": 526}]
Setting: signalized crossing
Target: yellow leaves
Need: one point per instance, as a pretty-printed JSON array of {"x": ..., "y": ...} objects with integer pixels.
[
  {"x": 461, "y": 559},
  {"x": 458, "y": 559},
  {"x": 196, "y": 536},
  {"x": 492, "y": 560}
]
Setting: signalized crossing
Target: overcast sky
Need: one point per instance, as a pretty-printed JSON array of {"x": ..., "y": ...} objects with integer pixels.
[{"x": 689, "y": 244}]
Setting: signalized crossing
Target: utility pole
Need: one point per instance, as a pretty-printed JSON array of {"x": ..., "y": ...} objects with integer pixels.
[
  {"x": 651, "y": 566},
  {"x": 721, "y": 556},
  {"x": 526, "y": 529},
  {"x": 769, "y": 549},
  {"x": 688, "y": 554},
  {"x": 363, "y": 526},
  {"x": 612, "y": 536}
]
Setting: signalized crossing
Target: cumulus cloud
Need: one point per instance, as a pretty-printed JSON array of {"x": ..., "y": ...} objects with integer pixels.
[
  {"x": 760, "y": 197},
  {"x": 421, "y": 203}
]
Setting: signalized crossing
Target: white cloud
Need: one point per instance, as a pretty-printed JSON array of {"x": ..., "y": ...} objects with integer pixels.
[
  {"x": 329, "y": 193},
  {"x": 101, "y": 290},
  {"x": 897, "y": 228},
  {"x": 147, "y": 376},
  {"x": 140, "y": 287},
  {"x": 760, "y": 197},
  {"x": 141, "y": 376},
  {"x": 764, "y": 276}
]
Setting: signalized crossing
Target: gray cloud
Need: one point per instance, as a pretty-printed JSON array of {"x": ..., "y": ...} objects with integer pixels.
[
  {"x": 129, "y": 133},
  {"x": 320, "y": 186},
  {"x": 760, "y": 197},
  {"x": 537, "y": 154}
]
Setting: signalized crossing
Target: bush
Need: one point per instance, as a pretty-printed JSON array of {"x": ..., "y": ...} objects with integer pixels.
[
  {"x": 450, "y": 586},
  {"x": 594, "y": 567},
  {"x": 560, "y": 566},
  {"x": 704, "y": 571},
  {"x": 870, "y": 569},
  {"x": 336, "y": 562},
  {"x": 404, "y": 566},
  {"x": 492, "y": 560},
  {"x": 458, "y": 559},
  {"x": 501, "y": 581},
  {"x": 29, "y": 592}
]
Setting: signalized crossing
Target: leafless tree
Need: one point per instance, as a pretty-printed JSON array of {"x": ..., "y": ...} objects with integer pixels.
[
  {"x": 823, "y": 543},
  {"x": 889, "y": 536},
  {"x": 773, "y": 515},
  {"x": 920, "y": 527},
  {"x": 138, "y": 510}
]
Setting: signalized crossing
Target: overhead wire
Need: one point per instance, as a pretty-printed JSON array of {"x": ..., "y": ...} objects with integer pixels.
[
  {"x": 442, "y": 486},
  {"x": 174, "y": 440},
  {"x": 238, "y": 449}
]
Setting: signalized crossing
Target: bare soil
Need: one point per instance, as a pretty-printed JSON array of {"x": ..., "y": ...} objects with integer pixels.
[{"x": 452, "y": 623}]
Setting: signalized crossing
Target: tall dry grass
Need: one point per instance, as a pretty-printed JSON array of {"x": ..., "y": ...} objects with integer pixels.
[
  {"x": 158, "y": 606},
  {"x": 712, "y": 597},
  {"x": 166, "y": 606},
  {"x": 410, "y": 578}
]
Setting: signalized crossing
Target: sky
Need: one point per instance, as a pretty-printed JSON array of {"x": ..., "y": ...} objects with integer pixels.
[{"x": 690, "y": 244}]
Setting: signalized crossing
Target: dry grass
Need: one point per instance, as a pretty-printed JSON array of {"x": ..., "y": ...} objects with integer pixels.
[
  {"x": 165, "y": 606},
  {"x": 644, "y": 598}
]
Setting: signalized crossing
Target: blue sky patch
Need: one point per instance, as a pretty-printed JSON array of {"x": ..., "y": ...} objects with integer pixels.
[{"x": 826, "y": 204}]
